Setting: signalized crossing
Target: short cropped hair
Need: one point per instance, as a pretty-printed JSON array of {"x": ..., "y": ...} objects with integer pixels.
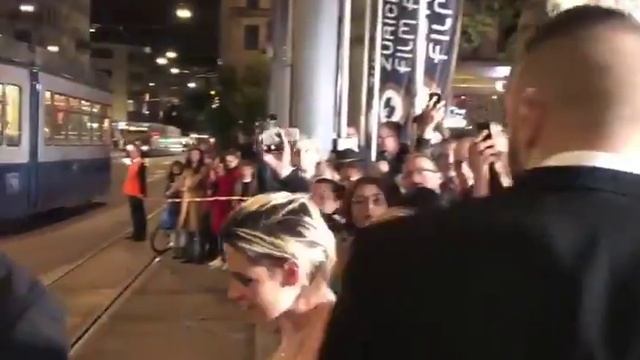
[
  {"x": 393, "y": 126},
  {"x": 578, "y": 19},
  {"x": 336, "y": 188},
  {"x": 281, "y": 227},
  {"x": 232, "y": 152}
]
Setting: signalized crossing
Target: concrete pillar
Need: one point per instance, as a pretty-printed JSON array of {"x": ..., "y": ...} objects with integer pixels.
[
  {"x": 280, "y": 83},
  {"x": 359, "y": 64},
  {"x": 315, "y": 54}
]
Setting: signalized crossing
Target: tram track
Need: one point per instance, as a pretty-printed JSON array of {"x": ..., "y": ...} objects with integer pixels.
[
  {"x": 56, "y": 275},
  {"x": 113, "y": 305},
  {"x": 93, "y": 286}
]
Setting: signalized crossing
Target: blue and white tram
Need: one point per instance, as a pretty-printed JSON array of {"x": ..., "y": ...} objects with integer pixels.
[{"x": 54, "y": 142}]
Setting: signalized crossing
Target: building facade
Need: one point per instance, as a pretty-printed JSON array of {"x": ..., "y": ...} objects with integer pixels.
[
  {"x": 126, "y": 66},
  {"x": 244, "y": 30},
  {"x": 55, "y": 24}
]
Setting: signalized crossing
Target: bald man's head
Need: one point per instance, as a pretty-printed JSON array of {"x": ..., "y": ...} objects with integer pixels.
[
  {"x": 577, "y": 20},
  {"x": 577, "y": 85}
]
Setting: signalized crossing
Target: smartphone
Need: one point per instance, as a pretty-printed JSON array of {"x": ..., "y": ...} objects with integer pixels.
[
  {"x": 484, "y": 126},
  {"x": 272, "y": 141},
  {"x": 435, "y": 95},
  {"x": 432, "y": 96}
]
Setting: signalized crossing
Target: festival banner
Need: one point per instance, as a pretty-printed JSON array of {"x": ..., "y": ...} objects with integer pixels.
[
  {"x": 397, "y": 56},
  {"x": 442, "y": 38},
  {"x": 414, "y": 53}
]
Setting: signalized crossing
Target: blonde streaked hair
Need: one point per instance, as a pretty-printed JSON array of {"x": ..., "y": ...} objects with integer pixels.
[{"x": 282, "y": 226}]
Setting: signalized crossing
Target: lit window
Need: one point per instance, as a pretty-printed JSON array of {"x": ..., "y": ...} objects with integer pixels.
[
  {"x": 10, "y": 118},
  {"x": 12, "y": 115},
  {"x": 76, "y": 131},
  {"x": 96, "y": 124},
  {"x": 56, "y": 118}
]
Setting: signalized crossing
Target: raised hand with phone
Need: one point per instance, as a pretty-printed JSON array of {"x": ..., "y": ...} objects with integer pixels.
[
  {"x": 486, "y": 160},
  {"x": 275, "y": 145},
  {"x": 429, "y": 124}
]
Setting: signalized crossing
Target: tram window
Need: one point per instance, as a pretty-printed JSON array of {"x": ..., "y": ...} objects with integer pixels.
[
  {"x": 12, "y": 115},
  {"x": 106, "y": 124},
  {"x": 55, "y": 120},
  {"x": 72, "y": 121},
  {"x": 76, "y": 129},
  {"x": 2, "y": 113},
  {"x": 96, "y": 124},
  {"x": 86, "y": 121}
]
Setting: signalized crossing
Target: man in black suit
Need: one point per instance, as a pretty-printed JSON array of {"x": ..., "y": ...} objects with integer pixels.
[
  {"x": 547, "y": 270},
  {"x": 32, "y": 325}
]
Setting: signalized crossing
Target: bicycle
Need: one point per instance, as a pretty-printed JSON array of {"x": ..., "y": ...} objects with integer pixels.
[{"x": 162, "y": 237}]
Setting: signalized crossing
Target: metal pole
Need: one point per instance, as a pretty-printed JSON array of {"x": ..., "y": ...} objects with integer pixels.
[
  {"x": 374, "y": 117},
  {"x": 345, "y": 55},
  {"x": 362, "y": 134}
]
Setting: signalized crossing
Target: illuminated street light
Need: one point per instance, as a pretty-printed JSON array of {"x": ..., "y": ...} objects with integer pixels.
[
  {"x": 162, "y": 61},
  {"x": 53, "y": 48},
  {"x": 171, "y": 54},
  {"x": 183, "y": 12},
  {"x": 92, "y": 30},
  {"x": 212, "y": 92},
  {"x": 27, "y": 8},
  {"x": 152, "y": 84},
  {"x": 175, "y": 71},
  {"x": 192, "y": 85}
]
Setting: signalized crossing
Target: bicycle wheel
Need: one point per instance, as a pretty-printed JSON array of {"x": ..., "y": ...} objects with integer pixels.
[{"x": 160, "y": 240}]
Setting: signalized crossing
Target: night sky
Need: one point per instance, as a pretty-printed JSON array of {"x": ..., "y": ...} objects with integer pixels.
[{"x": 153, "y": 23}]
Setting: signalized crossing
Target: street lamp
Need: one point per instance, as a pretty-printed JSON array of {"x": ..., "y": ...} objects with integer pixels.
[
  {"x": 171, "y": 54},
  {"x": 162, "y": 60},
  {"x": 192, "y": 85},
  {"x": 183, "y": 12},
  {"x": 152, "y": 84},
  {"x": 27, "y": 7},
  {"x": 175, "y": 71},
  {"x": 53, "y": 48}
]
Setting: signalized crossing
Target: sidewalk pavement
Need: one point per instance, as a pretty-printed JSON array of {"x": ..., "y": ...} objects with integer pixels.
[{"x": 178, "y": 311}]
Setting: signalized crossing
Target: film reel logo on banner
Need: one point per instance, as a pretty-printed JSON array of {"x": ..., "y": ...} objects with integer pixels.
[{"x": 392, "y": 105}]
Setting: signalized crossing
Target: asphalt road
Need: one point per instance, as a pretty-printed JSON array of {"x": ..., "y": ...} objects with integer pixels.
[{"x": 123, "y": 302}]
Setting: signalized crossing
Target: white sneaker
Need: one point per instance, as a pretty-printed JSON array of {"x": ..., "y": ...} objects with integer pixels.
[{"x": 218, "y": 264}]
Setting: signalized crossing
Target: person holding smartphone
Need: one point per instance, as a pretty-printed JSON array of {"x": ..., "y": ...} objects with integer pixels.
[
  {"x": 429, "y": 124},
  {"x": 487, "y": 160}
]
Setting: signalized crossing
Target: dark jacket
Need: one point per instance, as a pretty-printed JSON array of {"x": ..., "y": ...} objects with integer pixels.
[
  {"x": 268, "y": 180},
  {"x": 32, "y": 325},
  {"x": 546, "y": 270},
  {"x": 422, "y": 199}
]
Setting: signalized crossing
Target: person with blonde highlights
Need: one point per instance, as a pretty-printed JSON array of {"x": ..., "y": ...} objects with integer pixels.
[{"x": 280, "y": 255}]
